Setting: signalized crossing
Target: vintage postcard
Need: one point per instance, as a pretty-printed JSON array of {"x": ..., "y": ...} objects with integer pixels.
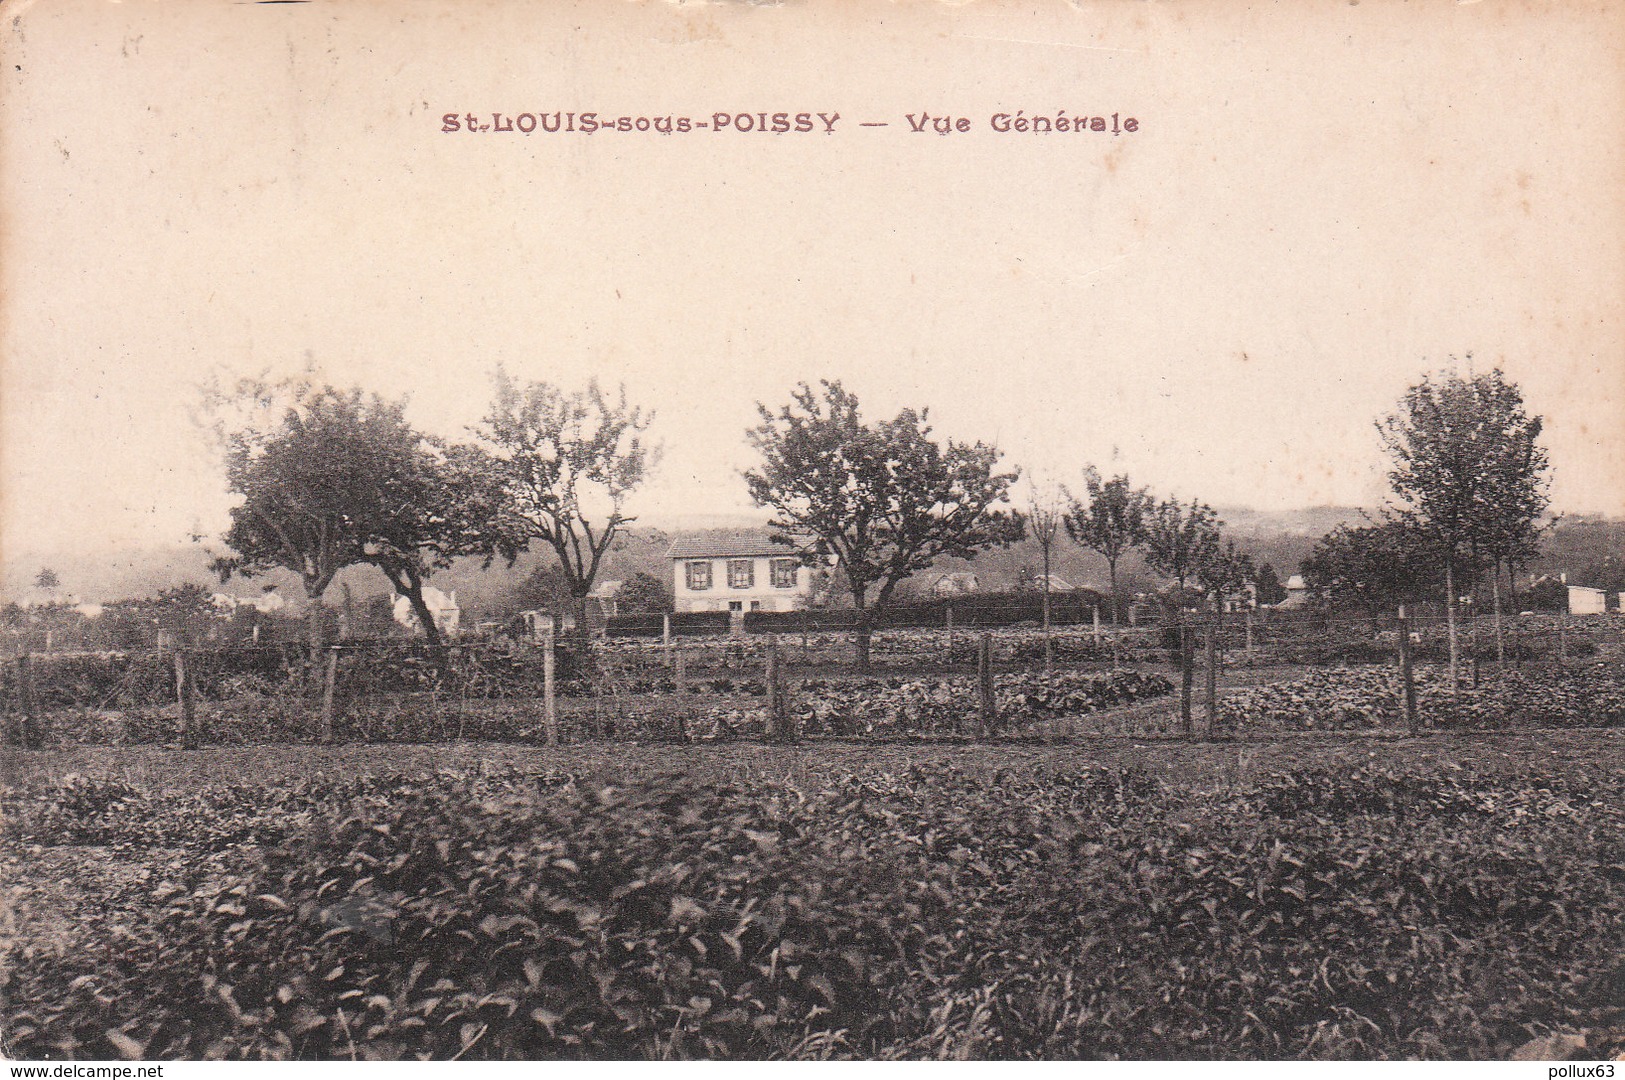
[{"x": 880, "y": 530}]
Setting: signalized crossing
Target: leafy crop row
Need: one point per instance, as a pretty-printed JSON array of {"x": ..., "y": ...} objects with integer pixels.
[
  {"x": 1350, "y": 698},
  {"x": 1097, "y": 913},
  {"x": 882, "y": 706}
]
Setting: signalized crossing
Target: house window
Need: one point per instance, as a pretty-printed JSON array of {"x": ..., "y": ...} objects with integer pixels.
[
  {"x": 699, "y": 576},
  {"x": 741, "y": 573},
  {"x": 736, "y": 605},
  {"x": 784, "y": 573}
]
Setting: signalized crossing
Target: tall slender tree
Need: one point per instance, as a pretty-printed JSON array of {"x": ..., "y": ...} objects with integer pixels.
[
  {"x": 1468, "y": 474},
  {"x": 1181, "y": 540},
  {"x": 1111, "y": 520},
  {"x": 569, "y": 461},
  {"x": 1517, "y": 499},
  {"x": 1045, "y": 513},
  {"x": 885, "y": 499}
]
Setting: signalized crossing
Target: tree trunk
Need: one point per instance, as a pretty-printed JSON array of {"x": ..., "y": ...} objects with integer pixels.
[
  {"x": 1495, "y": 607},
  {"x": 583, "y": 634},
  {"x": 408, "y": 582},
  {"x": 1111, "y": 571},
  {"x": 1117, "y": 656},
  {"x": 1049, "y": 647},
  {"x": 1187, "y": 649},
  {"x": 425, "y": 617},
  {"x": 1450, "y": 619},
  {"x": 860, "y": 642},
  {"x": 314, "y": 617}
]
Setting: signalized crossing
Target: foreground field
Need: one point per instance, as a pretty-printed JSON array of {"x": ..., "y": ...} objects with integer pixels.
[{"x": 1307, "y": 896}]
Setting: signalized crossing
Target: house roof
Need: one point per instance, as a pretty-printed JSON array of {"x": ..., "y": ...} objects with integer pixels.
[{"x": 735, "y": 545}]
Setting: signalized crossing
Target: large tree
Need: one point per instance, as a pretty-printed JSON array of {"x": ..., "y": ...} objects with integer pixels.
[
  {"x": 1468, "y": 475},
  {"x": 312, "y": 466},
  {"x": 1111, "y": 521},
  {"x": 569, "y": 461},
  {"x": 451, "y": 502},
  {"x": 885, "y": 499},
  {"x": 1509, "y": 533},
  {"x": 1373, "y": 567}
]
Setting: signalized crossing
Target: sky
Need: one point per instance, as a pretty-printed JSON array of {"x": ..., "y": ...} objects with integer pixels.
[{"x": 1321, "y": 203}]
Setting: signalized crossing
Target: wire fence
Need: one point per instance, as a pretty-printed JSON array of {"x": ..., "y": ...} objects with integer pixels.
[{"x": 1142, "y": 680}]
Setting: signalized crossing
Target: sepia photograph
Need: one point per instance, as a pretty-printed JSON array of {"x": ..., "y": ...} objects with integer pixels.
[{"x": 590, "y": 531}]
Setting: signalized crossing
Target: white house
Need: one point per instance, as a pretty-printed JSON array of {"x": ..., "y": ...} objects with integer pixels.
[
  {"x": 268, "y": 602},
  {"x": 738, "y": 573},
  {"x": 604, "y": 600},
  {"x": 1584, "y": 601},
  {"x": 957, "y": 583},
  {"x": 444, "y": 608},
  {"x": 1057, "y": 583},
  {"x": 1298, "y": 593}
]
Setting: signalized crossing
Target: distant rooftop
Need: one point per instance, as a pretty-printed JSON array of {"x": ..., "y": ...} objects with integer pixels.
[{"x": 739, "y": 545}]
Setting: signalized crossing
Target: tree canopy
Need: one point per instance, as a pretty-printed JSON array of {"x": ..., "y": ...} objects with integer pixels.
[
  {"x": 566, "y": 464},
  {"x": 330, "y": 478},
  {"x": 885, "y": 498},
  {"x": 1181, "y": 540},
  {"x": 1374, "y": 567},
  {"x": 457, "y": 508},
  {"x": 1469, "y": 475},
  {"x": 1110, "y": 520},
  {"x": 316, "y": 468}
]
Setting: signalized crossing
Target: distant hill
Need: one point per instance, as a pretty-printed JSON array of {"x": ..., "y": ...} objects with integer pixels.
[
  {"x": 1585, "y": 547},
  {"x": 1313, "y": 521}
]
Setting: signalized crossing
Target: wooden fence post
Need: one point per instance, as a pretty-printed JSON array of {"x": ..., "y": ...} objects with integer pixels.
[
  {"x": 1406, "y": 675},
  {"x": 329, "y": 684},
  {"x": 778, "y": 712},
  {"x": 1096, "y": 620},
  {"x": 984, "y": 682},
  {"x": 1562, "y": 641},
  {"x": 186, "y": 698},
  {"x": 665, "y": 629},
  {"x": 1212, "y": 682},
  {"x": 1249, "y": 632},
  {"x": 29, "y": 735},
  {"x": 550, "y": 705}
]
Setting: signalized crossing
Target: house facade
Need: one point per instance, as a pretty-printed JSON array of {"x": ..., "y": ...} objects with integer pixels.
[
  {"x": 957, "y": 583},
  {"x": 447, "y": 615},
  {"x": 737, "y": 574}
]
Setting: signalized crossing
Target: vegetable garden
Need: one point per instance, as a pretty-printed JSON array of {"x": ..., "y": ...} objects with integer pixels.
[
  {"x": 906, "y": 882},
  {"x": 1415, "y": 900}
]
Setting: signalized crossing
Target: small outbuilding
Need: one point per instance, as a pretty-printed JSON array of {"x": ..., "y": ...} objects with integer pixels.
[{"x": 1584, "y": 601}]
